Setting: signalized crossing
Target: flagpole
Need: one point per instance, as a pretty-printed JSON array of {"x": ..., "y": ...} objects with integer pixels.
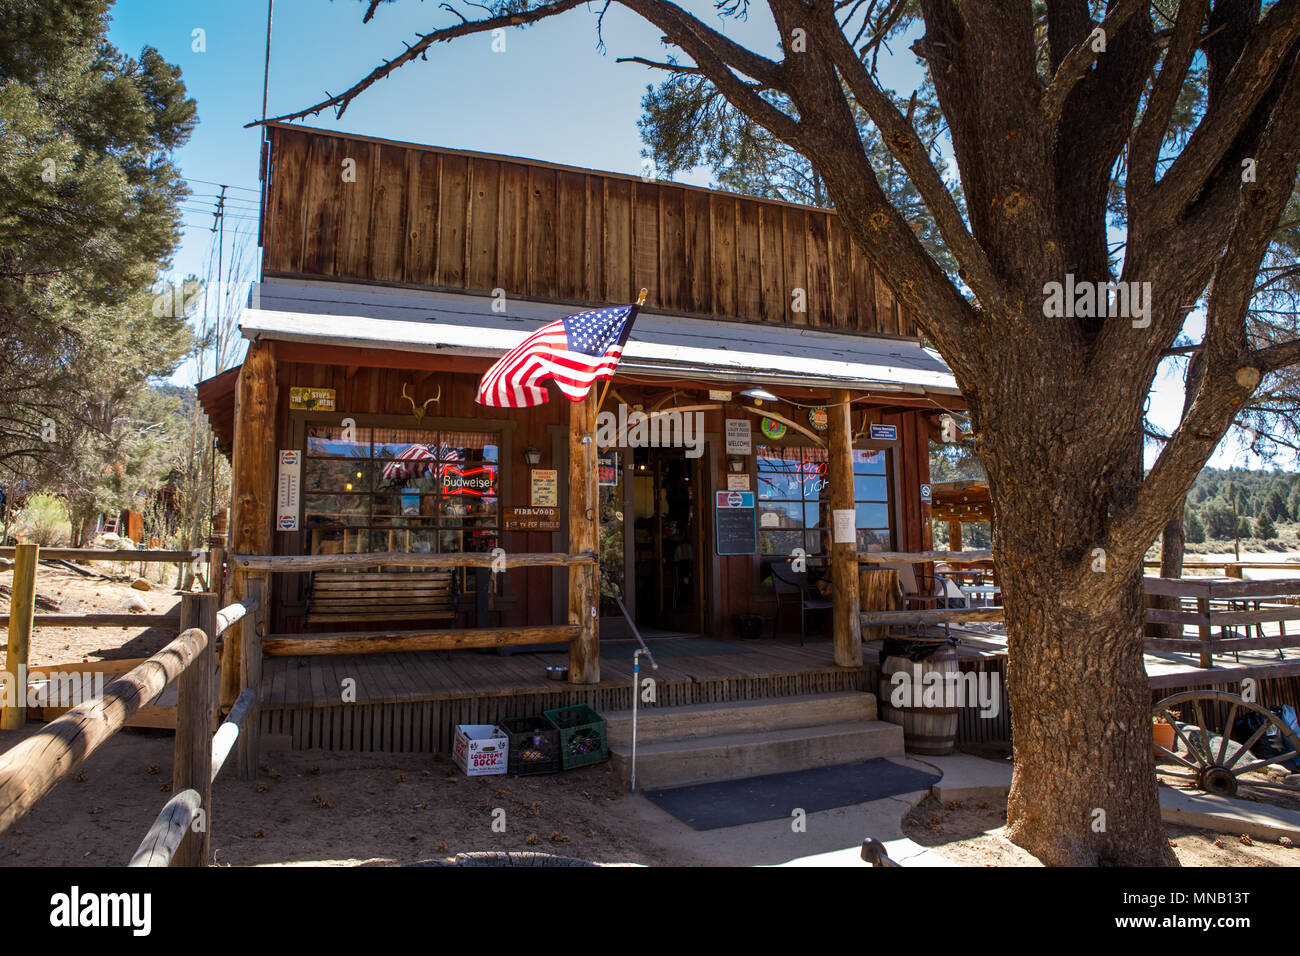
[{"x": 640, "y": 301}]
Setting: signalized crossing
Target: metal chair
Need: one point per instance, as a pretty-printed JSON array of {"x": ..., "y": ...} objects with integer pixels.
[{"x": 795, "y": 585}]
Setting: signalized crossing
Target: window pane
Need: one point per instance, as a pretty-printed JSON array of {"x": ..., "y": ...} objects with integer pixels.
[
  {"x": 325, "y": 510},
  {"x": 868, "y": 461},
  {"x": 873, "y": 539},
  {"x": 333, "y": 474},
  {"x": 327, "y": 441},
  {"x": 870, "y": 488},
  {"x": 780, "y": 514},
  {"x": 779, "y": 542},
  {"x": 873, "y": 515},
  {"x": 469, "y": 446}
]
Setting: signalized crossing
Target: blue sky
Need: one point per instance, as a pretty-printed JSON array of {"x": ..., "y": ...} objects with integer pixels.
[{"x": 550, "y": 95}]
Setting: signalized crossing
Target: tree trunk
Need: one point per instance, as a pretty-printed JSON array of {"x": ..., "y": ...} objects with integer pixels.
[
  {"x": 1083, "y": 790},
  {"x": 1172, "y": 542}
]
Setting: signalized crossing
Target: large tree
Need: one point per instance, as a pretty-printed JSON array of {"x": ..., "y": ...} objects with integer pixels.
[
  {"x": 1049, "y": 110},
  {"x": 88, "y": 217}
]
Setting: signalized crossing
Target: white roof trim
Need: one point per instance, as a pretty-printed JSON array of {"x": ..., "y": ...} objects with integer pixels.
[{"x": 661, "y": 345}]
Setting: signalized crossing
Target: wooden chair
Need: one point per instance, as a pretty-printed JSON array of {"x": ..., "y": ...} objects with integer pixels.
[
  {"x": 795, "y": 586},
  {"x": 338, "y": 596},
  {"x": 914, "y": 599}
]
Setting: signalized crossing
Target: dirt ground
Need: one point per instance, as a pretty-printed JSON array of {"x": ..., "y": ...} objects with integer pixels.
[
  {"x": 971, "y": 834},
  {"x": 332, "y": 809},
  {"x": 59, "y": 591}
]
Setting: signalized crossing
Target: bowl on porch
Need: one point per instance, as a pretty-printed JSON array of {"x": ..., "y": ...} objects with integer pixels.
[{"x": 557, "y": 671}]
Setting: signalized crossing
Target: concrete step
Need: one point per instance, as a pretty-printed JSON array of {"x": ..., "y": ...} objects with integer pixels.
[
  {"x": 733, "y": 717},
  {"x": 733, "y": 756}
]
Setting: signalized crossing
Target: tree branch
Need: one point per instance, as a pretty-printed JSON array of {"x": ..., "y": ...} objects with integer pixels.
[
  {"x": 340, "y": 101},
  {"x": 1266, "y": 51},
  {"x": 1079, "y": 60}
]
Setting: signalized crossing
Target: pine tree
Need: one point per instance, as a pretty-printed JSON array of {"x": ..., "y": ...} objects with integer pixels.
[
  {"x": 1264, "y": 529},
  {"x": 1194, "y": 529}
]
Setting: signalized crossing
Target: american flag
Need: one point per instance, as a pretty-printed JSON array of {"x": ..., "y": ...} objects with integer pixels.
[{"x": 574, "y": 352}]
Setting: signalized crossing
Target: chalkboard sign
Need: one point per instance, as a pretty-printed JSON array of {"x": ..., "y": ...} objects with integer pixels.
[{"x": 734, "y": 514}]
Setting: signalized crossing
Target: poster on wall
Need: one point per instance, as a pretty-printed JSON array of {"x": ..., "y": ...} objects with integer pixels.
[
  {"x": 846, "y": 531},
  {"x": 287, "y": 489},
  {"x": 545, "y": 488},
  {"x": 738, "y": 437},
  {"x": 733, "y": 517},
  {"x": 737, "y": 482}
]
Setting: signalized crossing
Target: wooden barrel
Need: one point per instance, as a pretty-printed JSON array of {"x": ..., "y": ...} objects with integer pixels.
[
  {"x": 926, "y": 730},
  {"x": 879, "y": 590}
]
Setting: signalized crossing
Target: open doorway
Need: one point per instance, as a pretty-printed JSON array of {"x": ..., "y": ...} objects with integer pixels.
[{"x": 667, "y": 553}]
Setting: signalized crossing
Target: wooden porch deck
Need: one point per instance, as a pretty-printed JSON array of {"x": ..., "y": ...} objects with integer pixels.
[{"x": 412, "y": 701}]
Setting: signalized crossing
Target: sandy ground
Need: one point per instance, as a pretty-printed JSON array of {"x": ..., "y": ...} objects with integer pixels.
[
  {"x": 334, "y": 809},
  {"x": 59, "y": 591},
  {"x": 971, "y": 834}
]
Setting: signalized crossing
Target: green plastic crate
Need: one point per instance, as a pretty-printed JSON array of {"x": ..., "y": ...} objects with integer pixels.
[{"x": 582, "y": 735}]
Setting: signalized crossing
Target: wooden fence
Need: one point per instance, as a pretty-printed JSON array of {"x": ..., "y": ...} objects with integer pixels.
[{"x": 33, "y": 767}]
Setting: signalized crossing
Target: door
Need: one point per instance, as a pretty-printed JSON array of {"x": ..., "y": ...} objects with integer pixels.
[{"x": 668, "y": 571}]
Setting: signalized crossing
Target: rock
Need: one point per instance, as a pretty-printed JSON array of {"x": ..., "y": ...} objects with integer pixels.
[
  {"x": 135, "y": 604},
  {"x": 140, "y": 584}
]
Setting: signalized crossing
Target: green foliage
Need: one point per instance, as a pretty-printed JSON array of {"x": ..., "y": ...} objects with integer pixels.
[
  {"x": 1218, "y": 520},
  {"x": 1265, "y": 530},
  {"x": 43, "y": 520},
  {"x": 88, "y": 216},
  {"x": 1193, "y": 530}
]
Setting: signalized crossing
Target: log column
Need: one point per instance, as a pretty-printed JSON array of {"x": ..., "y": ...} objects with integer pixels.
[
  {"x": 954, "y": 536},
  {"x": 584, "y": 580},
  {"x": 252, "y": 500},
  {"x": 22, "y": 609},
  {"x": 846, "y": 625}
]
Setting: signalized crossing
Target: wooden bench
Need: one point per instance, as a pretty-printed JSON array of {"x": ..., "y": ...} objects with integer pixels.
[{"x": 381, "y": 596}]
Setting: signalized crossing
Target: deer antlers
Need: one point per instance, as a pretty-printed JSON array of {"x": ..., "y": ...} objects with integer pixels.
[{"x": 418, "y": 411}]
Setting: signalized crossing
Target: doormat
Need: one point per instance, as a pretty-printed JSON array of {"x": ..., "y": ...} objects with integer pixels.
[
  {"x": 731, "y": 803},
  {"x": 688, "y": 647}
]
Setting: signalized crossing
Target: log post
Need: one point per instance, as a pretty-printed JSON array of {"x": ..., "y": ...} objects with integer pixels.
[
  {"x": 954, "y": 535},
  {"x": 252, "y": 501},
  {"x": 846, "y": 625},
  {"x": 1205, "y": 631},
  {"x": 22, "y": 611},
  {"x": 584, "y": 580},
  {"x": 192, "y": 753},
  {"x": 251, "y": 675}
]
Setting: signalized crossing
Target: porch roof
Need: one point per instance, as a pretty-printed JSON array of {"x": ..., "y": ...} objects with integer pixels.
[{"x": 661, "y": 345}]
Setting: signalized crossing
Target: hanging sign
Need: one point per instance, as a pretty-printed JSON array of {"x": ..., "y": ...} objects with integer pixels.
[
  {"x": 287, "y": 488},
  {"x": 738, "y": 437},
  {"x": 771, "y": 428},
  {"x": 311, "y": 398},
  {"x": 884, "y": 433},
  {"x": 819, "y": 418},
  {"x": 545, "y": 488},
  {"x": 530, "y": 519},
  {"x": 733, "y": 516},
  {"x": 607, "y": 470}
]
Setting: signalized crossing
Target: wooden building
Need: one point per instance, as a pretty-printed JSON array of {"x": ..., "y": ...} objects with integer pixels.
[{"x": 777, "y": 372}]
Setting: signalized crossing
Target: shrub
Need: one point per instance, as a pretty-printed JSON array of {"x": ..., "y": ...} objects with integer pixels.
[{"x": 44, "y": 521}]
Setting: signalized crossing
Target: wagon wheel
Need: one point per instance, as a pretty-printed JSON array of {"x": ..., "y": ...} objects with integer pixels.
[{"x": 1215, "y": 764}]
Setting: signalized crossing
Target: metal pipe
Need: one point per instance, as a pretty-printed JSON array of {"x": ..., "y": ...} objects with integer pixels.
[{"x": 636, "y": 692}]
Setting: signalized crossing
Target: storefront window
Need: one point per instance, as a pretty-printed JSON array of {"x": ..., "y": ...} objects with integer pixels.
[
  {"x": 794, "y": 500},
  {"x": 400, "y": 489}
]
